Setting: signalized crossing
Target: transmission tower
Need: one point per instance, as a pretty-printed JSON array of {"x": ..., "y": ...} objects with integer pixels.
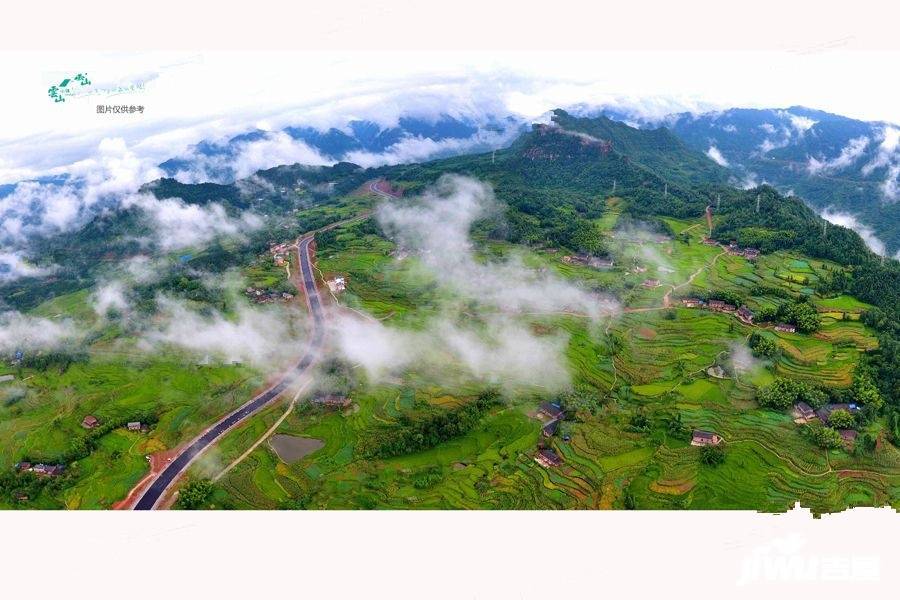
[
  {"x": 757, "y": 202},
  {"x": 666, "y": 191}
]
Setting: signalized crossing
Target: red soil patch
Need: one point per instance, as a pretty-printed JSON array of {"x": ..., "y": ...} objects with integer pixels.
[{"x": 646, "y": 333}]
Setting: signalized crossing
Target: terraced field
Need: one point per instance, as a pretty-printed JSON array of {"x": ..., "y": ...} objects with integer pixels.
[{"x": 649, "y": 362}]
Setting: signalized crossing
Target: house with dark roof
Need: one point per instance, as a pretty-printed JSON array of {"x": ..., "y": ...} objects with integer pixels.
[
  {"x": 803, "y": 413},
  {"x": 550, "y": 429},
  {"x": 331, "y": 401},
  {"x": 89, "y": 422},
  {"x": 745, "y": 315},
  {"x": 824, "y": 413},
  {"x": 552, "y": 411},
  {"x": 786, "y": 328},
  {"x": 547, "y": 458},
  {"x": 849, "y": 437},
  {"x": 716, "y": 304},
  {"x": 47, "y": 470},
  {"x": 700, "y": 437}
]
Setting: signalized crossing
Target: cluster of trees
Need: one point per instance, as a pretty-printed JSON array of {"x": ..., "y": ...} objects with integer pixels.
[
  {"x": 802, "y": 313},
  {"x": 61, "y": 359},
  {"x": 712, "y": 456},
  {"x": 195, "y": 494},
  {"x": 426, "y": 429},
  {"x": 783, "y": 393},
  {"x": 15, "y": 486},
  {"x": 762, "y": 346},
  {"x": 822, "y": 435}
]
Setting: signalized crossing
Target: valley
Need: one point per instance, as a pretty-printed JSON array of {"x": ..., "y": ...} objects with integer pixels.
[{"x": 666, "y": 327}]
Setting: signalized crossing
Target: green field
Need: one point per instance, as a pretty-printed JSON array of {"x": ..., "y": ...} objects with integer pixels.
[{"x": 630, "y": 374}]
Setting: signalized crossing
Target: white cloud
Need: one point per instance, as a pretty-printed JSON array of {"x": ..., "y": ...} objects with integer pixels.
[
  {"x": 248, "y": 157},
  {"x": 888, "y": 157},
  {"x": 497, "y": 350},
  {"x": 437, "y": 229},
  {"x": 110, "y": 296},
  {"x": 495, "y": 344},
  {"x": 262, "y": 336},
  {"x": 716, "y": 155},
  {"x": 179, "y": 225},
  {"x": 800, "y": 123},
  {"x": 865, "y": 232},
  {"x": 14, "y": 266},
  {"x": 850, "y": 153},
  {"x": 28, "y": 333}
]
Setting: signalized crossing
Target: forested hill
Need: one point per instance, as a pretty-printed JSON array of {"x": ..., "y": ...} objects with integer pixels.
[{"x": 659, "y": 150}]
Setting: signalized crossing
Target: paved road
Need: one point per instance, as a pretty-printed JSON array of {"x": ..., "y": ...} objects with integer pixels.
[{"x": 152, "y": 495}]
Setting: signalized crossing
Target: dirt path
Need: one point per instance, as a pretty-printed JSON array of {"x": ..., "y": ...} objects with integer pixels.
[
  {"x": 264, "y": 436},
  {"x": 667, "y": 299}
]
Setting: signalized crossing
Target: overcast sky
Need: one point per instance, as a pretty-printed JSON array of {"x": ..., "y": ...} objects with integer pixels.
[{"x": 334, "y": 61}]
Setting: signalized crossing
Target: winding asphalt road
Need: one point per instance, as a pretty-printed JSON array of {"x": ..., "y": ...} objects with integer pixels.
[{"x": 151, "y": 496}]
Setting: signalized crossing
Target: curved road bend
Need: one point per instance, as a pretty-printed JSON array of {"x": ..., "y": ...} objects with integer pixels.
[{"x": 152, "y": 495}]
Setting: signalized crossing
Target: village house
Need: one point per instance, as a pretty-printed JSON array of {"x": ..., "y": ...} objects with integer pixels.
[
  {"x": 650, "y": 283},
  {"x": 745, "y": 315},
  {"x": 279, "y": 260},
  {"x": 729, "y": 308},
  {"x": 803, "y": 413},
  {"x": 89, "y": 422},
  {"x": 717, "y": 371},
  {"x": 640, "y": 269},
  {"x": 824, "y": 413},
  {"x": 331, "y": 401},
  {"x": 336, "y": 285},
  {"x": 704, "y": 438},
  {"x": 134, "y": 426},
  {"x": 23, "y": 466},
  {"x": 47, "y": 470},
  {"x": 716, "y": 304},
  {"x": 550, "y": 429},
  {"x": 849, "y": 437},
  {"x": 751, "y": 253},
  {"x": 692, "y": 302},
  {"x": 4, "y": 378},
  {"x": 710, "y": 242},
  {"x": 547, "y": 458},
  {"x": 552, "y": 411},
  {"x": 785, "y": 328}
]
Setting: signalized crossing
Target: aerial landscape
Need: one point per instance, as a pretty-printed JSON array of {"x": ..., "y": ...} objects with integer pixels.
[
  {"x": 474, "y": 300},
  {"x": 583, "y": 311}
]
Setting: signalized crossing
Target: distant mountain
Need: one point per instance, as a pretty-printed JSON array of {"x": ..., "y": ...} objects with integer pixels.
[
  {"x": 412, "y": 139},
  {"x": 832, "y": 162}
]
